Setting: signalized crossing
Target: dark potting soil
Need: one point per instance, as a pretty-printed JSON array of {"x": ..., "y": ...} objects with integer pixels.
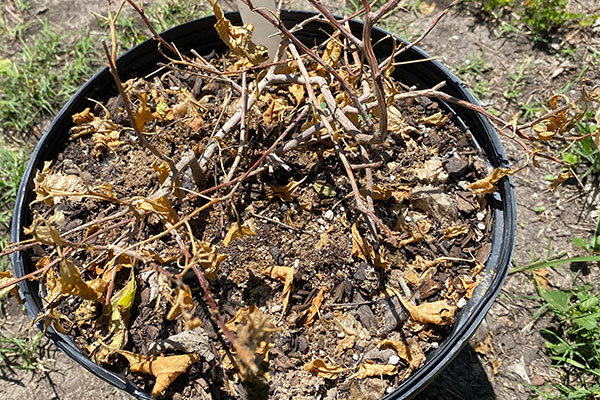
[{"x": 353, "y": 300}]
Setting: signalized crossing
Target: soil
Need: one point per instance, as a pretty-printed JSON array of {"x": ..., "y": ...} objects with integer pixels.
[
  {"x": 296, "y": 223},
  {"x": 517, "y": 359}
]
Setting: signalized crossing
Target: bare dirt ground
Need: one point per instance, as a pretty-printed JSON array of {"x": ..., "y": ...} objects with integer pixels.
[{"x": 518, "y": 346}]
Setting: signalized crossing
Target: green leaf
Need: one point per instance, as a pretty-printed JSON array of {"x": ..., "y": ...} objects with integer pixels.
[
  {"x": 557, "y": 300},
  {"x": 325, "y": 190},
  {"x": 570, "y": 158},
  {"x": 540, "y": 209},
  {"x": 579, "y": 242}
]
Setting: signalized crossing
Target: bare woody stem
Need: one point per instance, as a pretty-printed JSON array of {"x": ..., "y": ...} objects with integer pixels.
[{"x": 140, "y": 136}]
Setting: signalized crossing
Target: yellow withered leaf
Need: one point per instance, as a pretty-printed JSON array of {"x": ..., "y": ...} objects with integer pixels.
[
  {"x": 286, "y": 192},
  {"x": 143, "y": 113},
  {"x": 165, "y": 368},
  {"x": 182, "y": 302},
  {"x": 83, "y": 117},
  {"x": 51, "y": 188},
  {"x": 409, "y": 350},
  {"x": 69, "y": 282},
  {"x": 5, "y": 278},
  {"x": 315, "y": 305},
  {"x": 115, "y": 316},
  {"x": 369, "y": 370},
  {"x": 437, "y": 312},
  {"x": 286, "y": 276},
  {"x": 240, "y": 316},
  {"x": 321, "y": 369},
  {"x": 239, "y": 38},
  {"x": 563, "y": 176},
  {"x": 437, "y": 119},
  {"x": 426, "y": 9},
  {"x": 378, "y": 193},
  {"x": 237, "y": 231},
  {"x": 297, "y": 90},
  {"x": 363, "y": 249},
  {"x": 487, "y": 184},
  {"x": 331, "y": 54},
  {"x": 43, "y": 230},
  {"x": 161, "y": 206},
  {"x": 207, "y": 257},
  {"x": 455, "y": 231}
]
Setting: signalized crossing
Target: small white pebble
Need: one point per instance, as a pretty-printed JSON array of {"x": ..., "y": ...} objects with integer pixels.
[
  {"x": 394, "y": 359},
  {"x": 342, "y": 209},
  {"x": 454, "y": 37},
  {"x": 463, "y": 185},
  {"x": 392, "y": 178},
  {"x": 321, "y": 221},
  {"x": 480, "y": 216},
  {"x": 296, "y": 263},
  {"x": 408, "y": 219},
  {"x": 461, "y": 303},
  {"x": 355, "y": 357},
  {"x": 276, "y": 308},
  {"x": 340, "y": 335},
  {"x": 435, "y": 345},
  {"x": 481, "y": 226},
  {"x": 389, "y": 390},
  {"x": 329, "y": 215},
  {"x": 326, "y": 227}
]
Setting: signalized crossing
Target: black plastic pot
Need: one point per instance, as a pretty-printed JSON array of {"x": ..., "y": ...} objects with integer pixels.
[{"x": 201, "y": 36}]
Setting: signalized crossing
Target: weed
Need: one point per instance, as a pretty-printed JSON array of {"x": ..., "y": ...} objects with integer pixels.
[
  {"x": 40, "y": 80},
  {"x": 585, "y": 152},
  {"x": 514, "y": 86},
  {"x": 574, "y": 345},
  {"x": 530, "y": 109},
  {"x": 19, "y": 353}
]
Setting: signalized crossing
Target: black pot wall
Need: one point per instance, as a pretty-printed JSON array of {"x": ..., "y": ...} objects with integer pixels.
[{"x": 201, "y": 36}]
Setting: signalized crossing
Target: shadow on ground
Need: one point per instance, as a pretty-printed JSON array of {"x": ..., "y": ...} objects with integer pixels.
[{"x": 463, "y": 379}]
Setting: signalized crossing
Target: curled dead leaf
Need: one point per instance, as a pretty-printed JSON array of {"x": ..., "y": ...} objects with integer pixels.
[
  {"x": 437, "y": 119},
  {"x": 182, "y": 303},
  {"x": 7, "y": 277},
  {"x": 83, "y": 117},
  {"x": 408, "y": 350},
  {"x": 164, "y": 368},
  {"x": 369, "y": 370},
  {"x": 487, "y": 184},
  {"x": 286, "y": 192},
  {"x": 315, "y": 305},
  {"x": 562, "y": 177},
  {"x": 238, "y": 38},
  {"x": 321, "y": 369},
  {"x": 237, "y": 231},
  {"x": 52, "y": 187},
  {"x": 378, "y": 193},
  {"x": 286, "y": 276},
  {"x": 363, "y": 249},
  {"x": 455, "y": 231},
  {"x": 437, "y": 312},
  {"x": 162, "y": 206},
  {"x": 69, "y": 282},
  {"x": 207, "y": 257}
]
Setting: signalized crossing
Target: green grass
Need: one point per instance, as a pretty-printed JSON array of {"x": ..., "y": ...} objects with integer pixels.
[
  {"x": 40, "y": 79},
  {"x": 573, "y": 344},
  {"x": 541, "y": 19},
  {"x": 19, "y": 353}
]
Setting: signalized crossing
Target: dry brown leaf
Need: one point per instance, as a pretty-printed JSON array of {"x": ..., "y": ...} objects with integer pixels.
[
  {"x": 455, "y": 231},
  {"x": 363, "y": 249},
  {"x": 370, "y": 370},
  {"x": 165, "y": 368},
  {"x": 378, "y": 193},
  {"x": 410, "y": 351},
  {"x": 541, "y": 275},
  {"x": 315, "y": 305},
  {"x": 69, "y": 282},
  {"x": 207, "y": 257},
  {"x": 237, "y": 231},
  {"x": 51, "y": 188},
  {"x": 396, "y": 122},
  {"x": 487, "y": 184},
  {"x": 5, "y": 278},
  {"x": 286, "y": 276},
  {"x": 346, "y": 343},
  {"x": 83, "y": 117},
  {"x": 437, "y": 312},
  {"x": 182, "y": 302},
  {"x": 143, "y": 113},
  {"x": 437, "y": 119},
  {"x": 331, "y": 55},
  {"x": 319, "y": 368},
  {"x": 426, "y": 9},
  {"x": 238, "y": 38},
  {"x": 43, "y": 230},
  {"x": 297, "y": 91},
  {"x": 562, "y": 177},
  {"x": 161, "y": 206},
  {"x": 285, "y": 193},
  {"x": 323, "y": 241}
]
